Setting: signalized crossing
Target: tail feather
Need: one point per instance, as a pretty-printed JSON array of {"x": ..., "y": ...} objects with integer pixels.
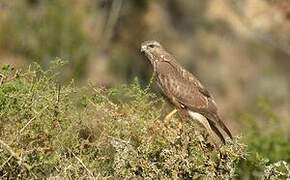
[
  {"x": 224, "y": 127},
  {"x": 217, "y": 131},
  {"x": 210, "y": 126},
  {"x": 211, "y": 123}
]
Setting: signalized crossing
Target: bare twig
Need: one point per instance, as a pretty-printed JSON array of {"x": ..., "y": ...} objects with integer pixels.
[
  {"x": 38, "y": 114},
  {"x": 150, "y": 81},
  {"x": 81, "y": 162},
  {"x": 5, "y": 162},
  {"x": 15, "y": 155},
  {"x": 56, "y": 106}
]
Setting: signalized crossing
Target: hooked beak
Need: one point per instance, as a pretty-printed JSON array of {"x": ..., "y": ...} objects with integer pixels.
[{"x": 143, "y": 49}]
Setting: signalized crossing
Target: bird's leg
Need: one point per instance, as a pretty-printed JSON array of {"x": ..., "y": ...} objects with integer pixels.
[{"x": 170, "y": 114}]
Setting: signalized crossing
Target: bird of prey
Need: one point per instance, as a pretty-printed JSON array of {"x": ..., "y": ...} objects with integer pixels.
[{"x": 184, "y": 90}]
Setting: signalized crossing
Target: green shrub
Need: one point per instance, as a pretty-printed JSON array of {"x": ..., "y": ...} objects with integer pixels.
[
  {"x": 267, "y": 138},
  {"x": 49, "y": 130}
]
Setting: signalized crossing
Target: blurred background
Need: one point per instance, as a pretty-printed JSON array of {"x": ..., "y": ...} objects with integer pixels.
[{"x": 240, "y": 49}]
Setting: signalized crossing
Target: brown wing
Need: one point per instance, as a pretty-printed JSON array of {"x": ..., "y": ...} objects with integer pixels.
[
  {"x": 185, "y": 74},
  {"x": 184, "y": 87},
  {"x": 181, "y": 86}
]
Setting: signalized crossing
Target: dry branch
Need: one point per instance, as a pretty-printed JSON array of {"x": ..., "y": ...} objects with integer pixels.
[{"x": 15, "y": 155}]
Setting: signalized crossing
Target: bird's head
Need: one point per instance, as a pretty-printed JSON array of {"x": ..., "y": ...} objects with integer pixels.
[{"x": 152, "y": 50}]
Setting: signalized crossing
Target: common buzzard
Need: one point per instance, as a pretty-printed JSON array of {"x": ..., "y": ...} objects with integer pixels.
[{"x": 184, "y": 90}]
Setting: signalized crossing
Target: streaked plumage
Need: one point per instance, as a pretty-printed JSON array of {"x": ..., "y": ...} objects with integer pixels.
[{"x": 184, "y": 90}]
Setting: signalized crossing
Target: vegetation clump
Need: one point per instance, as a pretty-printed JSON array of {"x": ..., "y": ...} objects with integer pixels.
[{"x": 50, "y": 130}]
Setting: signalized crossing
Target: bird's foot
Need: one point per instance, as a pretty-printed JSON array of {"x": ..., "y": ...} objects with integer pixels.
[{"x": 168, "y": 116}]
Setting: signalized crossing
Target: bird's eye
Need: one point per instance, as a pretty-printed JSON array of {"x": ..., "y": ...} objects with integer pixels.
[{"x": 151, "y": 46}]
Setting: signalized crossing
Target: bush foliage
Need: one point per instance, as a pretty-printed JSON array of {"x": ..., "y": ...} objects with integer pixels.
[
  {"x": 50, "y": 130},
  {"x": 267, "y": 137}
]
